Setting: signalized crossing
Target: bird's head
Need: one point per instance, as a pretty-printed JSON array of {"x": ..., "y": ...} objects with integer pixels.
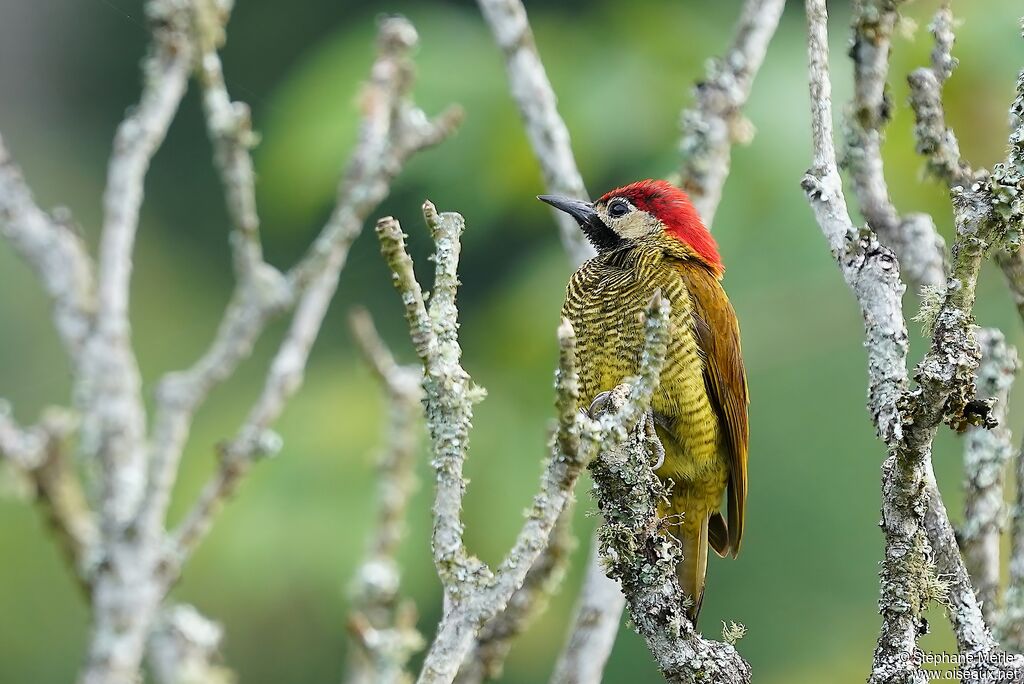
[{"x": 641, "y": 211}]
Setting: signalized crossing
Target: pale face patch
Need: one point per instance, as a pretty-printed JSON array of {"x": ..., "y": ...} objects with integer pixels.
[{"x": 627, "y": 221}]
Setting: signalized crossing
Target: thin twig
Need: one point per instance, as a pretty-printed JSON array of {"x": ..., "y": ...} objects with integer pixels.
[
  {"x": 715, "y": 122},
  {"x": 108, "y": 391},
  {"x": 987, "y": 450},
  {"x": 40, "y": 453},
  {"x": 1011, "y": 626},
  {"x": 495, "y": 639},
  {"x": 383, "y": 626},
  {"x": 913, "y": 238},
  {"x": 935, "y": 142},
  {"x": 547, "y": 132},
  {"x": 594, "y": 626},
  {"x": 54, "y": 250},
  {"x": 184, "y": 648}
]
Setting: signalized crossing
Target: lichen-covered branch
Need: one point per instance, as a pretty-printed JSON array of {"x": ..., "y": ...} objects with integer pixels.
[
  {"x": 53, "y": 248},
  {"x": 985, "y": 213},
  {"x": 595, "y": 624},
  {"x": 547, "y": 132},
  {"x": 108, "y": 389},
  {"x": 450, "y": 393},
  {"x": 108, "y": 393},
  {"x": 987, "y": 450},
  {"x": 643, "y": 558},
  {"x": 913, "y": 238},
  {"x": 383, "y": 627},
  {"x": 868, "y": 267},
  {"x": 229, "y": 125},
  {"x": 715, "y": 122},
  {"x": 935, "y": 141},
  {"x": 1011, "y": 625},
  {"x": 908, "y": 420},
  {"x": 872, "y": 272},
  {"x": 984, "y": 660},
  {"x": 40, "y": 453},
  {"x": 184, "y": 648},
  {"x": 494, "y": 642}
]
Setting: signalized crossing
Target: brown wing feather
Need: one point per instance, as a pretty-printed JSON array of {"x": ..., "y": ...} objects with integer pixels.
[{"x": 718, "y": 336}]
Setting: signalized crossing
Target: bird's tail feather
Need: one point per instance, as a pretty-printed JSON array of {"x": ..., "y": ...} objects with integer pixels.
[{"x": 692, "y": 532}]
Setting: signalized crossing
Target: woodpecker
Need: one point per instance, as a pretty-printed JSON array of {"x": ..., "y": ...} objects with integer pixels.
[{"x": 649, "y": 238}]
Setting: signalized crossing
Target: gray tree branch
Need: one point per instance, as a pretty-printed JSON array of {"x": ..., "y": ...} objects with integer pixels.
[
  {"x": 393, "y": 130},
  {"x": 908, "y": 420},
  {"x": 595, "y": 624},
  {"x": 383, "y": 626},
  {"x": 54, "y": 250},
  {"x": 987, "y": 450},
  {"x": 547, "y": 132},
  {"x": 913, "y": 238},
  {"x": 123, "y": 556},
  {"x": 715, "y": 122},
  {"x": 184, "y": 648}
]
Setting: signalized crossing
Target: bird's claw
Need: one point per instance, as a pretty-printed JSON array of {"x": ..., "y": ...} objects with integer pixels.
[
  {"x": 599, "y": 405},
  {"x": 651, "y": 436}
]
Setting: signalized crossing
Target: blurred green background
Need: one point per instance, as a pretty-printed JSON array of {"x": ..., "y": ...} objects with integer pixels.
[{"x": 276, "y": 568}]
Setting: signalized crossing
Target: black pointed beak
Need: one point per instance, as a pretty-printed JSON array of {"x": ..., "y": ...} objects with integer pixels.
[
  {"x": 599, "y": 234},
  {"x": 582, "y": 211}
]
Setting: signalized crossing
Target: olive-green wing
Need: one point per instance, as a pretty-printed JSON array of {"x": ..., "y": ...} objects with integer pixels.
[{"x": 718, "y": 336}]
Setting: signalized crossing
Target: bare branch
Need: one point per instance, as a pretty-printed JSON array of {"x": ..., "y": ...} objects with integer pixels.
[
  {"x": 907, "y": 421},
  {"x": 1012, "y": 263},
  {"x": 40, "y": 452},
  {"x": 985, "y": 212},
  {"x": 450, "y": 394},
  {"x": 494, "y": 641},
  {"x": 184, "y": 648},
  {"x": 715, "y": 122},
  {"x": 936, "y": 142},
  {"x": 984, "y": 661},
  {"x": 913, "y": 238},
  {"x": 108, "y": 395},
  {"x": 383, "y": 626},
  {"x": 868, "y": 267},
  {"x": 548, "y": 134},
  {"x": 987, "y": 450},
  {"x": 594, "y": 626},
  {"x": 393, "y": 130},
  {"x": 108, "y": 391},
  {"x": 872, "y": 273},
  {"x": 1011, "y": 626},
  {"x": 230, "y": 128},
  {"x": 54, "y": 250}
]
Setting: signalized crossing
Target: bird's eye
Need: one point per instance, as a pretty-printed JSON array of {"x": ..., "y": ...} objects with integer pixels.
[{"x": 618, "y": 208}]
